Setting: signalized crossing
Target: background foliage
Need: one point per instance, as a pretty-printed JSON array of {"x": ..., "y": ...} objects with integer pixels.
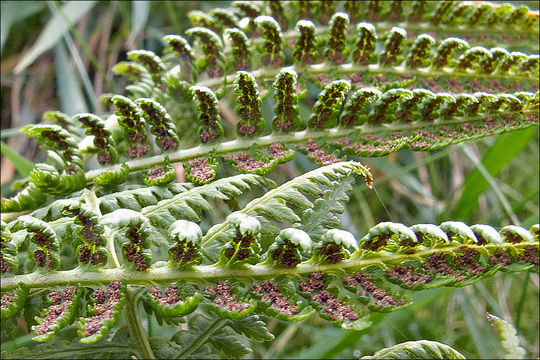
[{"x": 493, "y": 181}]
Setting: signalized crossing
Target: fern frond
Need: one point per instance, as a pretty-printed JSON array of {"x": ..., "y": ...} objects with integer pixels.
[
  {"x": 417, "y": 350},
  {"x": 64, "y": 151},
  {"x": 367, "y": 130},
  {"x": 359, "y": 280},
  {"x": 189, "y": 204},
  {"x": 59, "y": 314},
  {"x": 28, "y": 197},
  {"x": 103, "y": 142},
  {"x": 334, "y": 275},
  {"x": 273, "y": 204},
  {"x": 382, "y": 90},
  {"x": 508, "y": 337}
]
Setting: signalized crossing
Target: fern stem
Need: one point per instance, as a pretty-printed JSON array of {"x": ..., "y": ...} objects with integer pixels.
[
  {"x": 218, "y": 324},
  {"x": 323, "y": 68},
  {"x": 113, "y": 259},
  {"x": 38, "y": 279},
  {"x": 89, "y": 351},
  {"x": 17, "y": 342},
  {"x": 424, "y": 27},
  {"x": 10, "y": 216},
  {"x": 134, "y": 323},
  {"x": 149, "y": 322}
]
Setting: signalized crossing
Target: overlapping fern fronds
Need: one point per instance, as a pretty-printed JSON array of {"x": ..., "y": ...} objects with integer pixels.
[{"x": 102, "y": 226}]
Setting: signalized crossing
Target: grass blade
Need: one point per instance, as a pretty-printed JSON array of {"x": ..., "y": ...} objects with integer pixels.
[
  {"x": 53, "y": 32},
  {"x": 478, "y": 338},
  {"x": 78, "y": 64},
  {"x": 13, "y": 12},
  {"x": 22, "y": 164},
  {"x": 70, "y": 94},
  {"x": 487, "y": 176},
  {"x": 139, "y": 15},
  {"x": 505, "y": 148}
]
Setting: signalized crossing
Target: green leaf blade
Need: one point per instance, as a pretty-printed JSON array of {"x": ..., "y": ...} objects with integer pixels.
[
  {"x": 23, "y": 165},
  {"x": 54, "y": 30},
  {"x": 503, "y": 151},
  {"x": 507, "y": 336},
  {"x": 422, "y": 349}
]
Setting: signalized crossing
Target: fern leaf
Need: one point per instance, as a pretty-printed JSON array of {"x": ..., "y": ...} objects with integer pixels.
[
  {"x": 420, "y": 349},
  {"x": 103, "y": 142},
  {"x": 171, "y": 304},
  {"x": 508, "y": 337},
  {"x": 59, "y": 314},
  {"x": 342, "y": 281},
  {"x": 151, "y": 62},
  {"x": 104, "y": 313},
  {"x": 131, "y": 119},
  {"x": 9, "y": 261},
  {"x": 273, "y": 203},
  {"x": 187, "y": 203},
  {"x": 28, "y": 197},
  {"x": 326, "y": 210}
]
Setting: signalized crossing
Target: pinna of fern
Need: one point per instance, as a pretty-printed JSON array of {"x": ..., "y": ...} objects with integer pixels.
[
  {"x": 367, "y": 125},
  {"x": 361, "y": 285},
  {"x": 452, "y": 254}
]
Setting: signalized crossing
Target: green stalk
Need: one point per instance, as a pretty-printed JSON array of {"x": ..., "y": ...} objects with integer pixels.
[
  {"x": 532, "y": 196},
  {"x": 172, "y": 15},
  {"x": 134, "y": 323},
  {"x": 39, "y": 279},
  {"x": 479, "y": 339},
  {"x": 359, "y": 198},
  {"x": 414, "y": 165},
  {"x": 203, "y": 338},
  {"x": 522, "y": 299},
  {"x": 345, "y": 69}
]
